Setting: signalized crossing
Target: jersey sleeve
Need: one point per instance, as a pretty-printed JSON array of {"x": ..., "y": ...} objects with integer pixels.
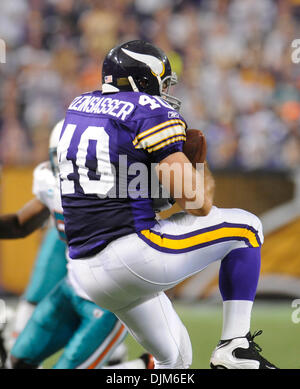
[
  {"x": 42, "y": 176},
  {"x": 161, "y": 135}
]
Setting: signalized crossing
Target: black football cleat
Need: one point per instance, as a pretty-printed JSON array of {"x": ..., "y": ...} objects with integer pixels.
[{"x": 239, "y": 353}]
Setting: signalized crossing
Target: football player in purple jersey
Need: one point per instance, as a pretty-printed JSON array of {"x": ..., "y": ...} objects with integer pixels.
[{"x": 120, "y": 254}]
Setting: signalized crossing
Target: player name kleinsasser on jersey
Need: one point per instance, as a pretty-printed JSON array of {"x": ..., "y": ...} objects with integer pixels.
[
  {"x": 153, "y": 378},
  {"x": 102, "y": 105}
]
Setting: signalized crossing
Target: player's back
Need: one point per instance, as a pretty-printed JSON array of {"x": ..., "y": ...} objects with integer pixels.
[{"x": 107, "y": 145}]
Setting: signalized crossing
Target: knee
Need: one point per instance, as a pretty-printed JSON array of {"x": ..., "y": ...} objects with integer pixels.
[
  {"x": 177, "y": 361},
  {"x": 254, "y": 222},
  {"x": 182, "y": 361},
  {"x": 257, "y": 225},
  {"x": 180, "y": 355}
]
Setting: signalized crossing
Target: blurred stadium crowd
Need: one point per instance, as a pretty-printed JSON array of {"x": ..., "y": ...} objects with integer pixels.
[{"x": 233, "y": 57}]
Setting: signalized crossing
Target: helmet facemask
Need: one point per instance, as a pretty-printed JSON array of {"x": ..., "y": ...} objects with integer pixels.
[{"x": 164, "y": 88}]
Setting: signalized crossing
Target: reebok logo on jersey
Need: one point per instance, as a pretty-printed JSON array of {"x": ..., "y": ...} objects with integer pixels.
[{"x": 173, "y": 114}]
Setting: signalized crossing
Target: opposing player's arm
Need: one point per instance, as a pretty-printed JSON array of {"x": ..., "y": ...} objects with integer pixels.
[
  {"x": 22, "y": 223},
  {"x": 192, "y": 191}
]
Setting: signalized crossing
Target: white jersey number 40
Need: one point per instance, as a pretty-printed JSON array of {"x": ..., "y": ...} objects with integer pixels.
[{"x": 104, "y": 167}]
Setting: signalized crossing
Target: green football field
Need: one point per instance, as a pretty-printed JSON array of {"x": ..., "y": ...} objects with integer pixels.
[{"x": 280, "y": 339}]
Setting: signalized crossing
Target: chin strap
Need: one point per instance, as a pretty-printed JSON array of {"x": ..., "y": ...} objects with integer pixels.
[{"x": 133, "y": 84}]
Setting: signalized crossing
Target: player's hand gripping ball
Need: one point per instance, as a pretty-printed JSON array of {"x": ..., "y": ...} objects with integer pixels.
[{"x": 195, "y": 146}]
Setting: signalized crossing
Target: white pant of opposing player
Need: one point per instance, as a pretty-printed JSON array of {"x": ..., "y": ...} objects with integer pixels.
[{"x": 129, "y": 276}]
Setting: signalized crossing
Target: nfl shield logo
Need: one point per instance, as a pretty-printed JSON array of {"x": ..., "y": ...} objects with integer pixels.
[{"x": 108, "y": 79}]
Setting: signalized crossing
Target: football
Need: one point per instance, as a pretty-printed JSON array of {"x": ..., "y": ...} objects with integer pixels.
[{"x": 195, "y": 146}]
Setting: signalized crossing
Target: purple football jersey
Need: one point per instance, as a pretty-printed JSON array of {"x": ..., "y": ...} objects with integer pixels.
[{"x": 106, "y": 149}]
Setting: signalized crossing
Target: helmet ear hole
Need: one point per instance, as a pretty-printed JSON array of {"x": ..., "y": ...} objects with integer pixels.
[{"x": 143, "y": 83}]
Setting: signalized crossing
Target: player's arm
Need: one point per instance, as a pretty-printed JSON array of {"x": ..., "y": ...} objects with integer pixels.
[
  {"x": 22, "y": 223},
  {"x": 192, "y": 191}
]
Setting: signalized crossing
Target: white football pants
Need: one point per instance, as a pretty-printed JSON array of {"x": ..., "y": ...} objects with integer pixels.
[{"x": 129, "y": 276}]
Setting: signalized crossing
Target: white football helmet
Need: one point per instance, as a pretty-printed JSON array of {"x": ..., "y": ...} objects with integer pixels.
[{"x": 53, "y": 142}]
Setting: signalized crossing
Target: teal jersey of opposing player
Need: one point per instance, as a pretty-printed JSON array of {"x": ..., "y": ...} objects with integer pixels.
[{"x": 106, "y": 152}]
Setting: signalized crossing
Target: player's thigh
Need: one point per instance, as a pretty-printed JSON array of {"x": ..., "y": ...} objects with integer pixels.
[
  {"x": 157, "y": 327},
  {"x": 96, "y": 338},
  {"x": 136, "y": 266},
  {"x": 49, "y": 268},
  {"x": 187, "y": 244},
  {"x": 222, "y": 220},
  {"x": 49, "y": 328}
]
